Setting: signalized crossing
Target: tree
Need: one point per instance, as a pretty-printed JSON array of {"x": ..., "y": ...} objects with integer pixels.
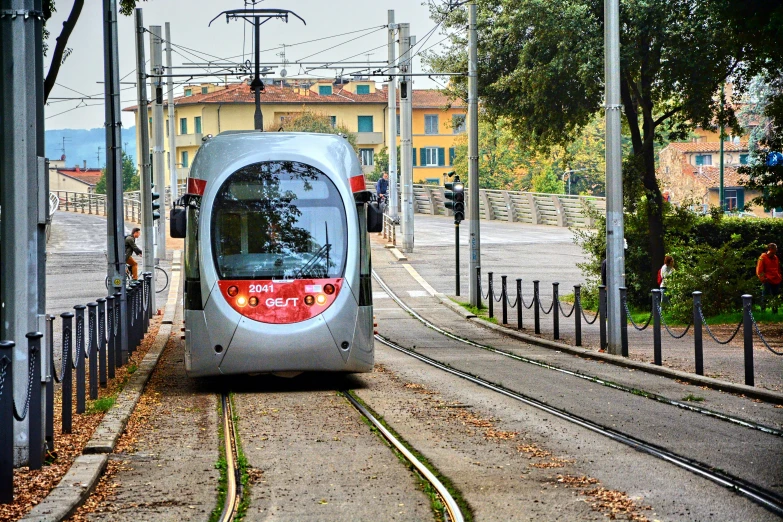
[
  {"x": 313, "y": 122},
  {"x": 130, "y": 176},
  {"x": 548, "y": 182},
  {"x": 541, "y": 67}
]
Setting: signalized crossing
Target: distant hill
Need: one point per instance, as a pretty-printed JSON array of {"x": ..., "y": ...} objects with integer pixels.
[{"x": 83, "y": 144}]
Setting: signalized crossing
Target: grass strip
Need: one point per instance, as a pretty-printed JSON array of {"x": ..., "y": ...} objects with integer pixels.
[
  {"x": 242, "y": 465},
  {"x": 435, "y": 501},
  {"x": 481, "y": 311},
  {"x": 222, "y": 466}
]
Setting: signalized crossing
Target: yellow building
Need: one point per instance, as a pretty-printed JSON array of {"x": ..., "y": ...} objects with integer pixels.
[
  {"x": 436, "y": 123},
  {"x": 358, "y": 105}
]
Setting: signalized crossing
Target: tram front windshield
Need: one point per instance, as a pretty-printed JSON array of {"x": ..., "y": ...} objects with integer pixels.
[{"x": 279, "y": 220}]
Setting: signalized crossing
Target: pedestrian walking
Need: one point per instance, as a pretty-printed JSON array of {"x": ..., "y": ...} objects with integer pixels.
[
  {"x": 663, "y": 273},
  {"x": 382, "y": 187},
  {"x": 768, "y": 272}
]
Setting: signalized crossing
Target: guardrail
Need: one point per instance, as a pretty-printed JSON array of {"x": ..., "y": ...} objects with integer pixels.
[
  {"x": 515, "y": 206},
  {"x": 54, "y": 203},
  {"x": 89, "y": 347},
  {"x": 747, "y": 324},
  {"x": 89, "y": 203}
]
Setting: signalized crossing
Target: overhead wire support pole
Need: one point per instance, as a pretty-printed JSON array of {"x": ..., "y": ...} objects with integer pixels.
[
  {"x": 158, "y": 159},
  {"x": 114, "y": 203},
  {"x": 254, "y": 16},
  {"x": 173, "y": 179},
  {"x": 392, "y": 139},
  {"x": 474, "y": 224},
  {"x": 615, "y": 255},
  {"x": 406, "y": 152},
  {"x": 148, "y": 232}
]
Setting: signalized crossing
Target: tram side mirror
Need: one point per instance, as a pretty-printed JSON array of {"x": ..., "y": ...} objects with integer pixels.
[
  {"x": 177, "y": 222},
  {"x": 374, "y": 217}
]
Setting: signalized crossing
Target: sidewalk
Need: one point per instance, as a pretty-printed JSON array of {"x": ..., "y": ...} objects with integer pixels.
[{"x": 531, "y": 251}]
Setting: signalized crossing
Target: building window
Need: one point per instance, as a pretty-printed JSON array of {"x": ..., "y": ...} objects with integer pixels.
[
  {"x": 430, "y": 124},
  {"x": 452, "y": 153},
  {"x": 703, "y": 159},
  {"x": 458, "y": 123},
  {"x": 365, "y": 124},
  {"x": 205, "y": 90},
  {"x": 362, "y": 89},
  {"x": 197, "y": 124},
  {"x": 185, "y": 163},
  {"x": 325, "y": 90},
  {"x": 398, "y": 125},
  {"x": 188, "y": 92},
  {"x": 333, "y": 121},
  {"x": 743, "y": 159},
  {"x": 366, "y": 156},
  {"x": 433, "y": 157},
  {"x": 183, "y": 125}
]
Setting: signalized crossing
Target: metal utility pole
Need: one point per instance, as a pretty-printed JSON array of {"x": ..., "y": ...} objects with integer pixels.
[
  {"x": 721, "y": 194},
  {"x": 23, "y": 200},
  {"x": 406, "y": 131},
  {"x": 147, "y": 227},
  {"x": 392, "y": 139},
  {"x": 615, "y": 255},
  {"x": 474, "y": 292},
  {"x": 158, "y": 150},
  {"x": 172, "y": 136},
  {"x": 257, "y": 84},
  {"x": 115, "y": 244}
]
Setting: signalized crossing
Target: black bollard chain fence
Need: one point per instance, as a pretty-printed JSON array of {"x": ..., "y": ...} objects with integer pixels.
[
  {"x": 573, "y": 308},
  {"x": 584, "y": 315},
  {"x": 676, "y": 336},
  {"x": 30, "y": 380},
  {"x": 707, "y": 327},
  {"x": 761, "y": 336},
  {"x": 538, "y": 299},
  {"x": 630, "y": 318}
]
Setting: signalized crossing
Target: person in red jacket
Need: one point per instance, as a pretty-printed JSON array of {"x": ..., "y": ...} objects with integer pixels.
[{"x": 768, "y": 272}]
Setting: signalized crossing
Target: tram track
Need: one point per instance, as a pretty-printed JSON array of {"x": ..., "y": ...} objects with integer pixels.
[
  {"x": 770, "y": 500},
  {"x": 591, "y": 378},
  {"x": 233, "y": 483}
]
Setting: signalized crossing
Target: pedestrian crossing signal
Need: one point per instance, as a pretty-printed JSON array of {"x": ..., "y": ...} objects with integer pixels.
[{"x": 455, "y": 195}]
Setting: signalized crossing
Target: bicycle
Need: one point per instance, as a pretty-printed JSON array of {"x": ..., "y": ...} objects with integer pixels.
[{"x": 161, "y": 277}]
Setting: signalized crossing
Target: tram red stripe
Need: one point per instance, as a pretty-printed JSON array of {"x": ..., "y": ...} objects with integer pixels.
[
  {"x": 196, "y": 186},
  {"x": 357, "y": 183}
]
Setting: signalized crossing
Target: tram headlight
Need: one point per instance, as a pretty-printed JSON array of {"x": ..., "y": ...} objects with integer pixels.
[
  {"x": 321, "y": 299},
  {"x": 241, "y": 301},
  {"x": 329, "y": 289},
  {"x": 232, "y": 291},
  {"x": 309, "y": 300},
  {"x": 253, "y": 301}
]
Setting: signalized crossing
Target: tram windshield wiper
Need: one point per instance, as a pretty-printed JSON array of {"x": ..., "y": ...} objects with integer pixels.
[{"x": 322, "y": 253}]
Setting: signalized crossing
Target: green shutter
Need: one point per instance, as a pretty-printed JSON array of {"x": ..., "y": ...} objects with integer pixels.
[
  {"x": 452, "y": 153},
  {"x": 413, "y": 153},
  {"x": 740, "y": 198},
  {"x": 441, "y": 156},
  {"x": 699, "y": 160},
  {"x": 423, "y": 152},
  {"x": 365, "y": 124}
]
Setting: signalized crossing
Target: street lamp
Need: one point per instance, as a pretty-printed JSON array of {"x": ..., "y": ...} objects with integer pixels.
[{"x": 569, "y": 177}]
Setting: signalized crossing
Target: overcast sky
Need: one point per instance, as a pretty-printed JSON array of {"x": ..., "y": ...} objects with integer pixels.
[{"x": 83, "y": 69}]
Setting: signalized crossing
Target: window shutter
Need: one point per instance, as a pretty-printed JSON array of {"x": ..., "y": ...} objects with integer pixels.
[
  {"x": 441, "y": 156},
  {"x": 740, "y": 198},
  {"x": 452, "y": 153},
  {"x": 699, "y": 160},
  {"x": 413, "y": 154},
  {"x": 423, "y": 152}
]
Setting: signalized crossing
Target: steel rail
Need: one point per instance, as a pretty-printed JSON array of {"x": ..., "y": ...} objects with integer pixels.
[
  {"x": 233, "y": 490},
  {"x": 591, "y": 378},
  {"x": 454, "y": 512},
  {"x": 767, "y": 499}
]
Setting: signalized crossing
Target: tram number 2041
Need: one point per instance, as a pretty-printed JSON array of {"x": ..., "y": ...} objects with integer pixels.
[{"x": 262, "y": 288}]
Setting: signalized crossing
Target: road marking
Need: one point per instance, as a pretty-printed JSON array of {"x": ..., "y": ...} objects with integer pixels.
[
  {"x": 379, "y": 295},
  {"x": 412, "y": 271},
  {"x": 418, "y": 293}
]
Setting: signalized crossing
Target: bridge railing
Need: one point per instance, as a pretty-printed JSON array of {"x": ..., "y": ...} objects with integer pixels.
[
  {"x": 515, "y": 206},
  {"x": 89, "y": 203}
]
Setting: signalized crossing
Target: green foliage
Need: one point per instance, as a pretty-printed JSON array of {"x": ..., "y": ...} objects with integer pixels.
[
  {"x": 380, "y": 164},
  {"x": 313, "y": 122},
  {"x": 130, "y": 176},
  {"x": 548, "y": 182}
]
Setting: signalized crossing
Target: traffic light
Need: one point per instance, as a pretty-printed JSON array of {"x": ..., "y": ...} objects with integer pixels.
[
  {"x": 455, "y": 193},
  {"x": 155, "y": 206}
]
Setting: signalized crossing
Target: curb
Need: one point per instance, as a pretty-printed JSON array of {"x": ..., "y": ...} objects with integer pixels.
[
  {"x": 692, "y": 378},
  {"x": 86, "y": 470}
]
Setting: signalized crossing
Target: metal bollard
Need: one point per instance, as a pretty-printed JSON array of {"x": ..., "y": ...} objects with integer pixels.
[
  {"x": 7, "y": 423},
  {"x": 503, "y": 293},
  {"x": 536, "y": 315},
  {"x": 747, "y": 330},
  {"x": 623, "y": 322},
  {"x": 150, "y": 311},
  {"x": 110, "y": 328},
  {"x": 578, "y": 315},
  {"x": 80, "y": 373},
  {"x": 35, "y": 448},
  {"x": 602, "y": 316},
  {"x": 131, "y": 317},
  {"x": 118, "y": 330},
  {"x": 491, "y": 296},
  {"x": 102, "y": 342},
  {"x": 478, "y": 286},
  {"x": 698, "y": 345},
  {"x": 49, "y": 429},
  {"x": 519, "y": 304},
  {"x": 67, "y": 376},
  {"x": 656, "y": 299},
  {"x": 556, "y": 309},
  {"x": 92, "y": 348}
]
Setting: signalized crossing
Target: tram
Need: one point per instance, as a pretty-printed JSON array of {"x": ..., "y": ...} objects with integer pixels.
[{"x": 277, "y": 256}]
